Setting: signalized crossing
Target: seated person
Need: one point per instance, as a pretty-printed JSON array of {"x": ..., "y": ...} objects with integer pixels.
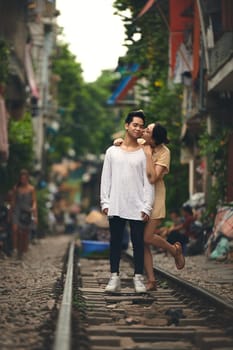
[
  {"x": 181, "y": 230},
  {"x": 175, "y": 220}
]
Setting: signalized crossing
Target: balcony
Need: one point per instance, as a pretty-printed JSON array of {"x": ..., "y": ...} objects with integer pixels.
[{"x": 221, "y": 64}]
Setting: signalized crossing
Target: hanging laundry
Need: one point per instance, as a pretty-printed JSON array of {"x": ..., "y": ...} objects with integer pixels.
[{"x": 184, "y": 63}]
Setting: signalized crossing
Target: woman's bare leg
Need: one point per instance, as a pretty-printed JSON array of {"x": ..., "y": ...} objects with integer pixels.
[
  {"x": 15, "y": 236},
  {"x": 148, "y": 263},
  {"x": 20, "y": 243},
  {"x": 150, "y": 238},
  {"x": 25, "y": 240},
  {"x": 157, "y": 241}
]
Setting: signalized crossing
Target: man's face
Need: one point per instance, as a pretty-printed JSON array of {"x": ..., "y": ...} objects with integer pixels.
[
  {"x": 173, "y": 216},
  {"x": 185, "y": 214},
  {"x": 135, "y": 128}
]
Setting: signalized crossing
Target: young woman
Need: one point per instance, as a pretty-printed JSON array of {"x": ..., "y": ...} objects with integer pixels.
[
  {"x": 24, "y": 207},
  {"x": 158, "y": 163}
]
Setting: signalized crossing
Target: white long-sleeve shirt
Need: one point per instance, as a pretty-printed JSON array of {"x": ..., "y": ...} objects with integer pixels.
[{"x": 125, "y": 189}]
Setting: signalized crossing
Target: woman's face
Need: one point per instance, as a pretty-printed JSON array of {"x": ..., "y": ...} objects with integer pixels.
[
  {"x": 23, "y": 179},
  {"x": 147, "y": 133}
]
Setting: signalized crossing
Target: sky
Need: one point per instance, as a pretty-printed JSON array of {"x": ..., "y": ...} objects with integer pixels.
[{"x": 94, "y": 34}]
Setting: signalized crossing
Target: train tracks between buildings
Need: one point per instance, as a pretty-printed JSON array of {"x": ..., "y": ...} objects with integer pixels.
[{"x": 178, "y": 316}]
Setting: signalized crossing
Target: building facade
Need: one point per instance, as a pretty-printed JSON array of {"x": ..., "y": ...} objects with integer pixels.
[
  {"x": 201, "y": 59},
  {"x": 28, "y": 34}
]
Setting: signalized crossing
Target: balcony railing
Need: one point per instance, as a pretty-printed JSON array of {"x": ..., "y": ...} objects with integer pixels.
[{"x": 221, "y": 53}]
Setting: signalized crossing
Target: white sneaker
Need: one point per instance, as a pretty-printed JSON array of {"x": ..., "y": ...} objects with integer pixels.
[
  {"x": 114, "y": 284},
  {"x": 138, "y": 284}
]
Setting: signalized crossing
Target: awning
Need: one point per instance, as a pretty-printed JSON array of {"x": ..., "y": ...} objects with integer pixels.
[{"x": 125, "y": 84}]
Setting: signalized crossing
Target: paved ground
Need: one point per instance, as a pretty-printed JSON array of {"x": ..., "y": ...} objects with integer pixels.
[{"x": 27, "y": 295}]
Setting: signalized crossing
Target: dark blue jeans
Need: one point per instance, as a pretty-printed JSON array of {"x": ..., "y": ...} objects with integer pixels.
[{"x": 117, "y": 227}]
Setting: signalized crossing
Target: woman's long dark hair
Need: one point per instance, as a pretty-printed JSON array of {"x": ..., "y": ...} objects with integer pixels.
[{"x": 159, "y": 134}]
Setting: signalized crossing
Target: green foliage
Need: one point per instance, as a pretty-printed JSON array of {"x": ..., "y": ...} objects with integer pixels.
[
  {"x": 214, "y": 148},
  {"x": 4, "y": 61},
  {"x": 59, "y": 147},
  {"x": 70, "y": 72},
  {"x": 151, "y": 52},
  {"x": 21, "y": 131},
  {"x": 85, "y": 123},
  {"x": 21, "y": 151},
  {"x": 92, "y": 118},
  {"x": 42, "y": 197},
  {"x": 151, "y": 49},
  {"x": 21, "y": 156}
]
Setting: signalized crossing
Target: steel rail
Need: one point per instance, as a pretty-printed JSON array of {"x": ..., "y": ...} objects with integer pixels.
[
  {"x": 201, "y": 292},
  {"x": 63, "y": 329}
]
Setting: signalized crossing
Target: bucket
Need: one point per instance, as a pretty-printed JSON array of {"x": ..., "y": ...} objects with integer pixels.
[{"x": 94, "y": 249}]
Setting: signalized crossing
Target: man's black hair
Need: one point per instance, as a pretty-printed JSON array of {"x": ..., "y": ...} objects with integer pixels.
[
  {"x": 139, "y": 113},
  {"x": 188, "y": 209}
]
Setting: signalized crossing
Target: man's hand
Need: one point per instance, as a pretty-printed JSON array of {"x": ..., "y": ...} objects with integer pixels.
[
  {"x": 141, "y": 141},
  {"x": 118, "y": 141},
  {"x": 105, "y": 211},
  {"x": 170, "y": 229},
  {"x": 145, "y": 217}
]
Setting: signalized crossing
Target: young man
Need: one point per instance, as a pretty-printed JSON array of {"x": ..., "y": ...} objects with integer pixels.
[{"x": 127, "y": 195}]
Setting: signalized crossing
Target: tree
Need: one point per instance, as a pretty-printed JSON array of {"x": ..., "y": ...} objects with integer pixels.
[
  {"x": 20, "y": 151},
  {"x": 147, "y": 43},
  {"x": 85, "y": 122}
]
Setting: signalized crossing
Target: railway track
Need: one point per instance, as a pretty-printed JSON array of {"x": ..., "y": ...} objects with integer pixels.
[{"x": 177, "y": 316}]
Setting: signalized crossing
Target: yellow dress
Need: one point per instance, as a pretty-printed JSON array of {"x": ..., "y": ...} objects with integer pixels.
[{"x": 160, "y": 156}]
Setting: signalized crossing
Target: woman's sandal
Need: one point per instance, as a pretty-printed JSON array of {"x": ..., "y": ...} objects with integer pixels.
[
  {"x": 179, "y": 257},
  {"x": 151, "y": 285}
]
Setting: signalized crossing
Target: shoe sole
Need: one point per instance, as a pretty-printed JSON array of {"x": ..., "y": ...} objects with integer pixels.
[
  {"x": 117, "y": 290},
  {"x": 112, "y": 292}
]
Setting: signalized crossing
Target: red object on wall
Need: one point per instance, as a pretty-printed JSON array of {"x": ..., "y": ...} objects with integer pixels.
[
  {"x": 146, "y": 7},
  {"x": 178, "y": 23}
]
